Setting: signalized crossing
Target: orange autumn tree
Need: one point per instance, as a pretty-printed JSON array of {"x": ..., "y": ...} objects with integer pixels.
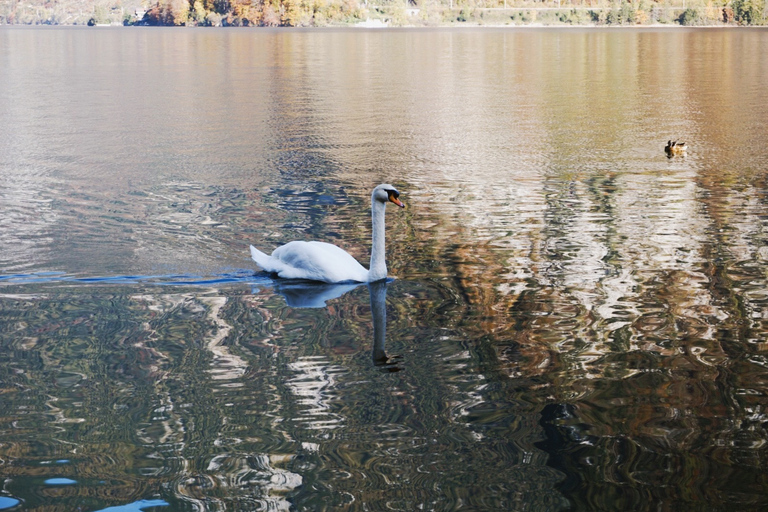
[{"x": 169, "y": 12}]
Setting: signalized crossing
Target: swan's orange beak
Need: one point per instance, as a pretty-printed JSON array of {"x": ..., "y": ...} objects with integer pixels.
[{"x": 393, "y": 197}]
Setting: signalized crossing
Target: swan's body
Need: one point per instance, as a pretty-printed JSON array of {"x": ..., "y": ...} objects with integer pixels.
[
  {"x": 316, "y": 261},
  {"x": 320, "y": 261},
  {"x": 675, "y": 148}
]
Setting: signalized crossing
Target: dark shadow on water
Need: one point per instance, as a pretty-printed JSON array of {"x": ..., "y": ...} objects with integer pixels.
[
  {"x": 563, "y": 448},
  {"x": 562, "y": 440}
]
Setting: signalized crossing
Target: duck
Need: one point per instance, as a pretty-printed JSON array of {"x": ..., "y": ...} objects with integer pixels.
[
  {"x": 675, "y": 148},
  {"x": 328, "y": 263}
]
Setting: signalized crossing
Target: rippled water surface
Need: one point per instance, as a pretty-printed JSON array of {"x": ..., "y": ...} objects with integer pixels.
[{"x": 577, "y": 322}]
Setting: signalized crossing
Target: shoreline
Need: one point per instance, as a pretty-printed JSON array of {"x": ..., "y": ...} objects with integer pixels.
[
  {"x": 377, "y": 15},
  {"x": 358, "y": 27}
]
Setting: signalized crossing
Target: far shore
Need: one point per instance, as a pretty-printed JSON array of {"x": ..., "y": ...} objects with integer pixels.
[
  {"x": 385, "y": 27},
  {"x": 428, "y": 14}
]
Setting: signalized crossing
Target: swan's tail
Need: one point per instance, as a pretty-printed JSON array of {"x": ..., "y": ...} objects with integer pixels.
[{"x": 260, "y": 258}]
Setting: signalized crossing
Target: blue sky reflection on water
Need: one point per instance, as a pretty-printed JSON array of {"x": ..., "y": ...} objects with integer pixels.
[
  {"x": 6, "y": 502},
  {"x": 136, "y": 506},
  {"x": 576, "y": 321}
]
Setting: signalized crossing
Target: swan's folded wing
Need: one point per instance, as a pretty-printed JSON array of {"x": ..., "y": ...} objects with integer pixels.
[{"x": 315, "y": 261}]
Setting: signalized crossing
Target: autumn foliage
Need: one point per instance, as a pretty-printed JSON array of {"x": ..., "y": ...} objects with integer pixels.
[{"x": 268, "y": 13}]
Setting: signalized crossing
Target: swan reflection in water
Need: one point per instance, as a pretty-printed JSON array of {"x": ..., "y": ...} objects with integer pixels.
[
  {"x": 311, "y": 294},
  {"x": 378, "y": 292}
]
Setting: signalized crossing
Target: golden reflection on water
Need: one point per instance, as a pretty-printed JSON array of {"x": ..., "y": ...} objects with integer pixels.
[{"x": 577, "y": 319}]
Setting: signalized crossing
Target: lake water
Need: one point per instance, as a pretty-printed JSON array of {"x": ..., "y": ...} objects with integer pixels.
[{"x": 577, "y": 322}]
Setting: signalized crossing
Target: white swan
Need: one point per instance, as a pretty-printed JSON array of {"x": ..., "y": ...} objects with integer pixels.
[{"x": 319, "y": 261}]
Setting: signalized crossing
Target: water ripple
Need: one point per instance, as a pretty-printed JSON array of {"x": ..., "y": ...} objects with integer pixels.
[
  {"x": 234, "y": 277},
  {"x": 313, "y": 387}
]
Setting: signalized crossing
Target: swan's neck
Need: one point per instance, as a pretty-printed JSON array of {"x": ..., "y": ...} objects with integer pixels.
[{"x": 378, "y": 269}]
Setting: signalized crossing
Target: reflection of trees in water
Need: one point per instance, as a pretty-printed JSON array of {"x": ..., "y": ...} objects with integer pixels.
[
  {"x": 70, "y": 401},
  {"x": 370, "y": 436},
  {"x": 642, "y": 311},
  {"x": 132, "y": 390},
  {"x": 641, "y": 351},
  {"x": 212, "y": 401}
]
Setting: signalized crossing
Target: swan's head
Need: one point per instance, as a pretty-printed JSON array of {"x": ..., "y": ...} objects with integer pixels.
[{"x": 385, "y": 192}]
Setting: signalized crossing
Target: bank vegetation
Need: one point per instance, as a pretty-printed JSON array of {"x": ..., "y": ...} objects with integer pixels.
[{"x": 397, "y": 13}]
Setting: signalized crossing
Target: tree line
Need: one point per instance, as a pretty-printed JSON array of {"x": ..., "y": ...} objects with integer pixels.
[
  {"x": 317, "y": 13},
  {"x": 268, "y": 13},
  {"x": 304, "y": 13}
]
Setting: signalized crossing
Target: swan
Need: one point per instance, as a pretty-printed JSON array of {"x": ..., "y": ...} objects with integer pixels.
[{"x": 320, "y": 261}]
